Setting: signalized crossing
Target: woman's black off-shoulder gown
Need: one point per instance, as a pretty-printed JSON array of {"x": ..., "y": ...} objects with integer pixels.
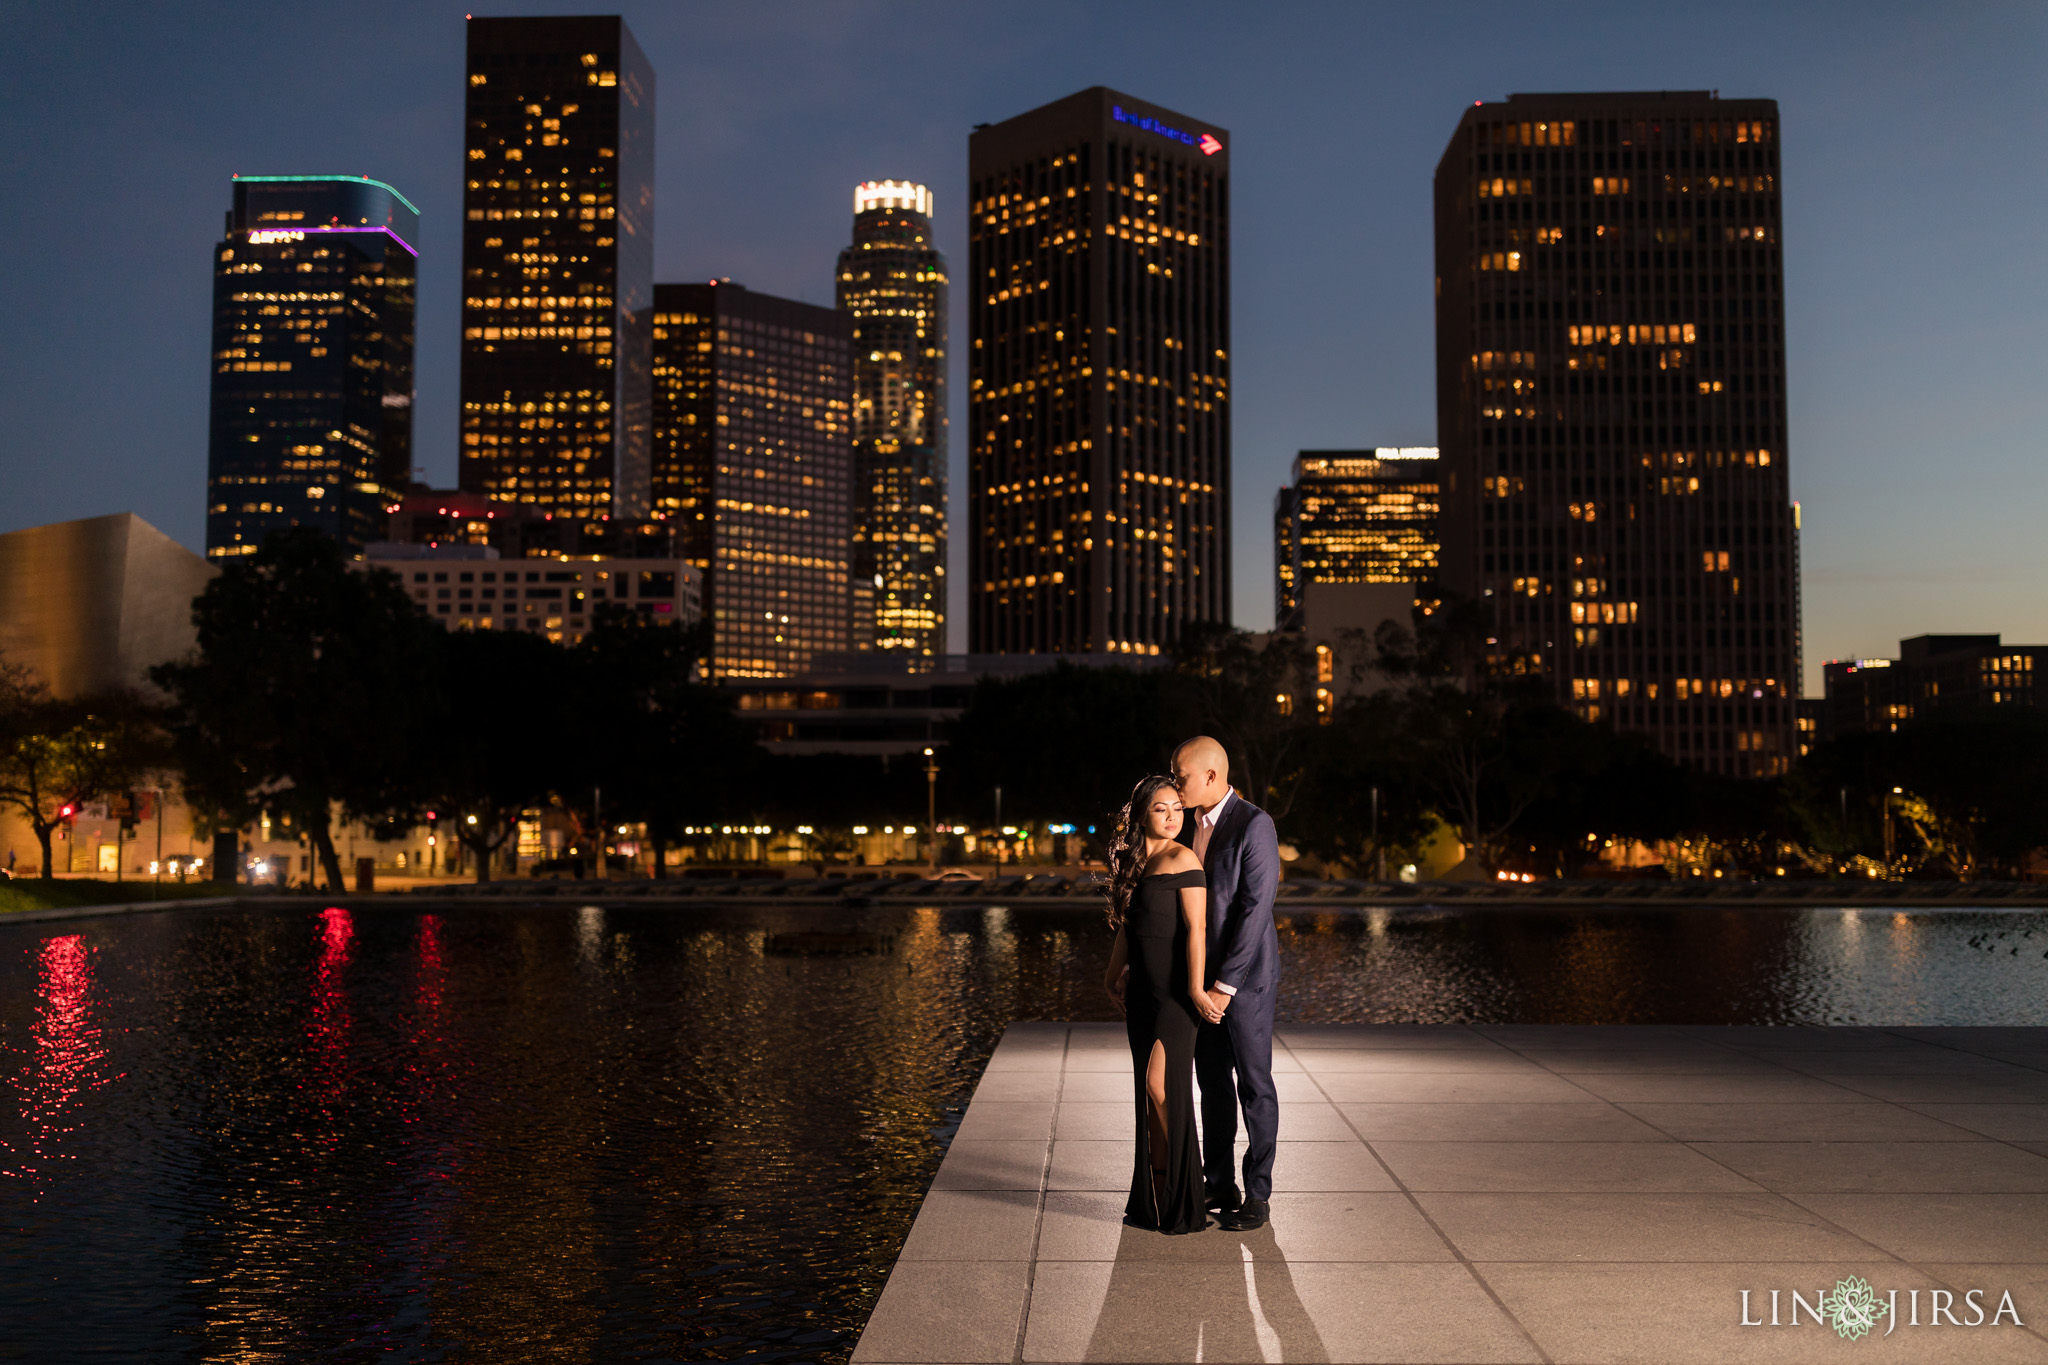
[{"x": 1157, "y": 1009}]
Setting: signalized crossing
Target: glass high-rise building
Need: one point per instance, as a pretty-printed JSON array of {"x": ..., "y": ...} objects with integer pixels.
[
  {"x": 1099, "y": 377},
  {"x": 313, "y": 295},
  {"x": 892, "y": 281},
  {"x": 1611, "y": 409},
  {"x": 1354, "y": 516},
  {"x": 753, "y": 412},
  {"x": 557, "y": 265}
]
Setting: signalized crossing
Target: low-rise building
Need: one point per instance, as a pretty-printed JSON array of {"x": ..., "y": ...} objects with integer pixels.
[
  {"x": 1932, "y": 673},
  {"x": 517, "y": 530},
  {"x": 472, "y": 587},
  {"x": 872, "y": 703}
]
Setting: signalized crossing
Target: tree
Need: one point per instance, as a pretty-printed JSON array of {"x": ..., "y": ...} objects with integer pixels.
[
  {"x": 311, "y": 690},
  {"x": 1591, "y": 780},
  {"x": 1363, "y": 749},
  {"x": 56, "y": 754},
  {"x": 1963, "y": 787},
  {"x": 1974, "y": 785},
  {"x": 1257, "y": 700},
  {"x": 1066, "y": 744},
  {"x": 665, "y": 748},
  {"x": 502, "y": 737},
  {"x": 1473, "y": 723}
]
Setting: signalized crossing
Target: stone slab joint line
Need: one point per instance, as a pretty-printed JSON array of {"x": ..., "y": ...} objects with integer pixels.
[{"x": 1059, "y": 1093}]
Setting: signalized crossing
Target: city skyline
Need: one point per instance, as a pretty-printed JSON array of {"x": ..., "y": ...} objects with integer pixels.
[{"x": 1906, "y": 314}]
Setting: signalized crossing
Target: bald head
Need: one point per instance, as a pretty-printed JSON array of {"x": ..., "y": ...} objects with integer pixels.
[{"x": 1202, "y": 771}]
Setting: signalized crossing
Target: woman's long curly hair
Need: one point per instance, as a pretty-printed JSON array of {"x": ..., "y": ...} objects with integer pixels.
[{"x": 1126, "y": 847}]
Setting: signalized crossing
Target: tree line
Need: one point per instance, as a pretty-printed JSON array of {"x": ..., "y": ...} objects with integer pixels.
[
  {"x": 317, "y": 690},
  {"x": 1527, "y": 786}
]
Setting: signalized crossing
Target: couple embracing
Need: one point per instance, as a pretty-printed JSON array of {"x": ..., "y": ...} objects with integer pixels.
[{"x": 1195, "y": 968}]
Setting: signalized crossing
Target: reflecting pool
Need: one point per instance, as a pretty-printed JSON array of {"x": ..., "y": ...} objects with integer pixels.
[{"x": 647, "y": 1134}]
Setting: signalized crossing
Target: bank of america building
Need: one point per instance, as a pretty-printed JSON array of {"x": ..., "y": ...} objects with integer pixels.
[{"x": 1099, "y": 377}]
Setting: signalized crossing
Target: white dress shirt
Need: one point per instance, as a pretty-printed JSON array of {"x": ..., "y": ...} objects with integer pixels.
[{"x": 1205, "y": 826}]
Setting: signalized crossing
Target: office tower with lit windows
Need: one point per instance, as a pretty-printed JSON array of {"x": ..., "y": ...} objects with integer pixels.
[
  {"x": 311, "y": 424},
  {"x": 753, "y": 410},
  {"x": 892, "y": 281},
  {"x": 1354, "y": 516},
  {"x": 1099, "y": 377},
  {"x": 1611, "y": 410},
  {"x": 557, "y": 265}
]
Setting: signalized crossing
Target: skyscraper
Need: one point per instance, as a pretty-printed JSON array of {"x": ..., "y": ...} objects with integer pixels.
[
  {"x": 892, "y": 280},
  {"x": 1354, "y": 516},
  {"x": 753, "y": 400},
  {"x": 1099, "y": 377},
  {"x": 1611, "y": 407},
  {"x": 557, "y": 265},
  {"x": 313, "y": 289}
]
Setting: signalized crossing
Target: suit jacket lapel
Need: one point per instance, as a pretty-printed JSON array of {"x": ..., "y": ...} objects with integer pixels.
[{"x": 1232, "y": 823}]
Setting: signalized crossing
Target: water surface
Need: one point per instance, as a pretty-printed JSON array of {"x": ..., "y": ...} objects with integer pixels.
[{"x": 644, "y": 1134}]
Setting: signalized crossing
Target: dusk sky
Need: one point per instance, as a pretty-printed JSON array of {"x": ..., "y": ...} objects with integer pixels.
[{"x": 1915, "y": 179}]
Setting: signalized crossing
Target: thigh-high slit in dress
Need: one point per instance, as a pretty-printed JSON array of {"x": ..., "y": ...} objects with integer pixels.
[{"x": 1157, "y": 1010}]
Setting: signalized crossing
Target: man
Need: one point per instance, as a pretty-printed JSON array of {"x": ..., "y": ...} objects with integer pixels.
[{"x": 1240, "y": 852}]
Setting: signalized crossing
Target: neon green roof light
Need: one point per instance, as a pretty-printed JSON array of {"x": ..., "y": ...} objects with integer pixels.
[{"x": 358, "y": 179}]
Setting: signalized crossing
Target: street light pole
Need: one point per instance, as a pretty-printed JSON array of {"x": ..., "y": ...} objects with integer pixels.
[
  {"x": 931, "y": 805},
  {"x": 1845, "y": 825},
  {"x": 1379, "y": 854}
]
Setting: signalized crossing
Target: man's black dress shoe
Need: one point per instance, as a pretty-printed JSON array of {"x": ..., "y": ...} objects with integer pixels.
[
  {"x": 1225, "y": 1201},
  {"x": 1248, "y": 1216}
]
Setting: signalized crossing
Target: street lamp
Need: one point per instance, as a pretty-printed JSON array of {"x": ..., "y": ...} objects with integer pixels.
[
  {"x": 157, "y": 867},
  {"x": 931, "y": 805}
]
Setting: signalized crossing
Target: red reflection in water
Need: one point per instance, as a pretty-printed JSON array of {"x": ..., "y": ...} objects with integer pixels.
[
  {"x": 424, "y": 1237},
  {"x": 433, "y": 971},
  {"x": 328, "y": 1031},
  {"x": 66, "y": 1061}
]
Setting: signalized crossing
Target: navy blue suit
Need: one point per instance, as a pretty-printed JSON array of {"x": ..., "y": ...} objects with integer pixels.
[{"x": 1234, "y": 1059}]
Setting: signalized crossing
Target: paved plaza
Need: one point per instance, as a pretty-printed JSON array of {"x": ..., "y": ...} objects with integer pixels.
[{"x": 1515, "y": 1193}]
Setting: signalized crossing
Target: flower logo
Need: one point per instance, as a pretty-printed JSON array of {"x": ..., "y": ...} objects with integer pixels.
[{"x": 1853, "y": 1309}]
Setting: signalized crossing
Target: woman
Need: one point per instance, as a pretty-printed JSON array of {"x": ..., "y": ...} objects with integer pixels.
[{"x": 1158, "y": 905}]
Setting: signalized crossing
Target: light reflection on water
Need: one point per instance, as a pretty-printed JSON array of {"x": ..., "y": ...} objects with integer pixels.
[
  {"x": 622, "y": 1133},
  {"x": 63, "y": 1065}
]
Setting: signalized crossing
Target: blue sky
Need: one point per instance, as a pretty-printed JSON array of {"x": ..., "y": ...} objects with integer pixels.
[{"x": 1915, "y": 181}]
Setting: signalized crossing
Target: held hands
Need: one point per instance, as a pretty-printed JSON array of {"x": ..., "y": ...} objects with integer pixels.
[{"x": 1210, "y": 1004}]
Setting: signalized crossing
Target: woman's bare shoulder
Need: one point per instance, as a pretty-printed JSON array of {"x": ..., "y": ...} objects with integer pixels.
[{"x": 1176, "y": 858}]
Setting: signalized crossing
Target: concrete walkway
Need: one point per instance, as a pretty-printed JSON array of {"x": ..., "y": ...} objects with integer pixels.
[{"x": 1457, "y": 1194}]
